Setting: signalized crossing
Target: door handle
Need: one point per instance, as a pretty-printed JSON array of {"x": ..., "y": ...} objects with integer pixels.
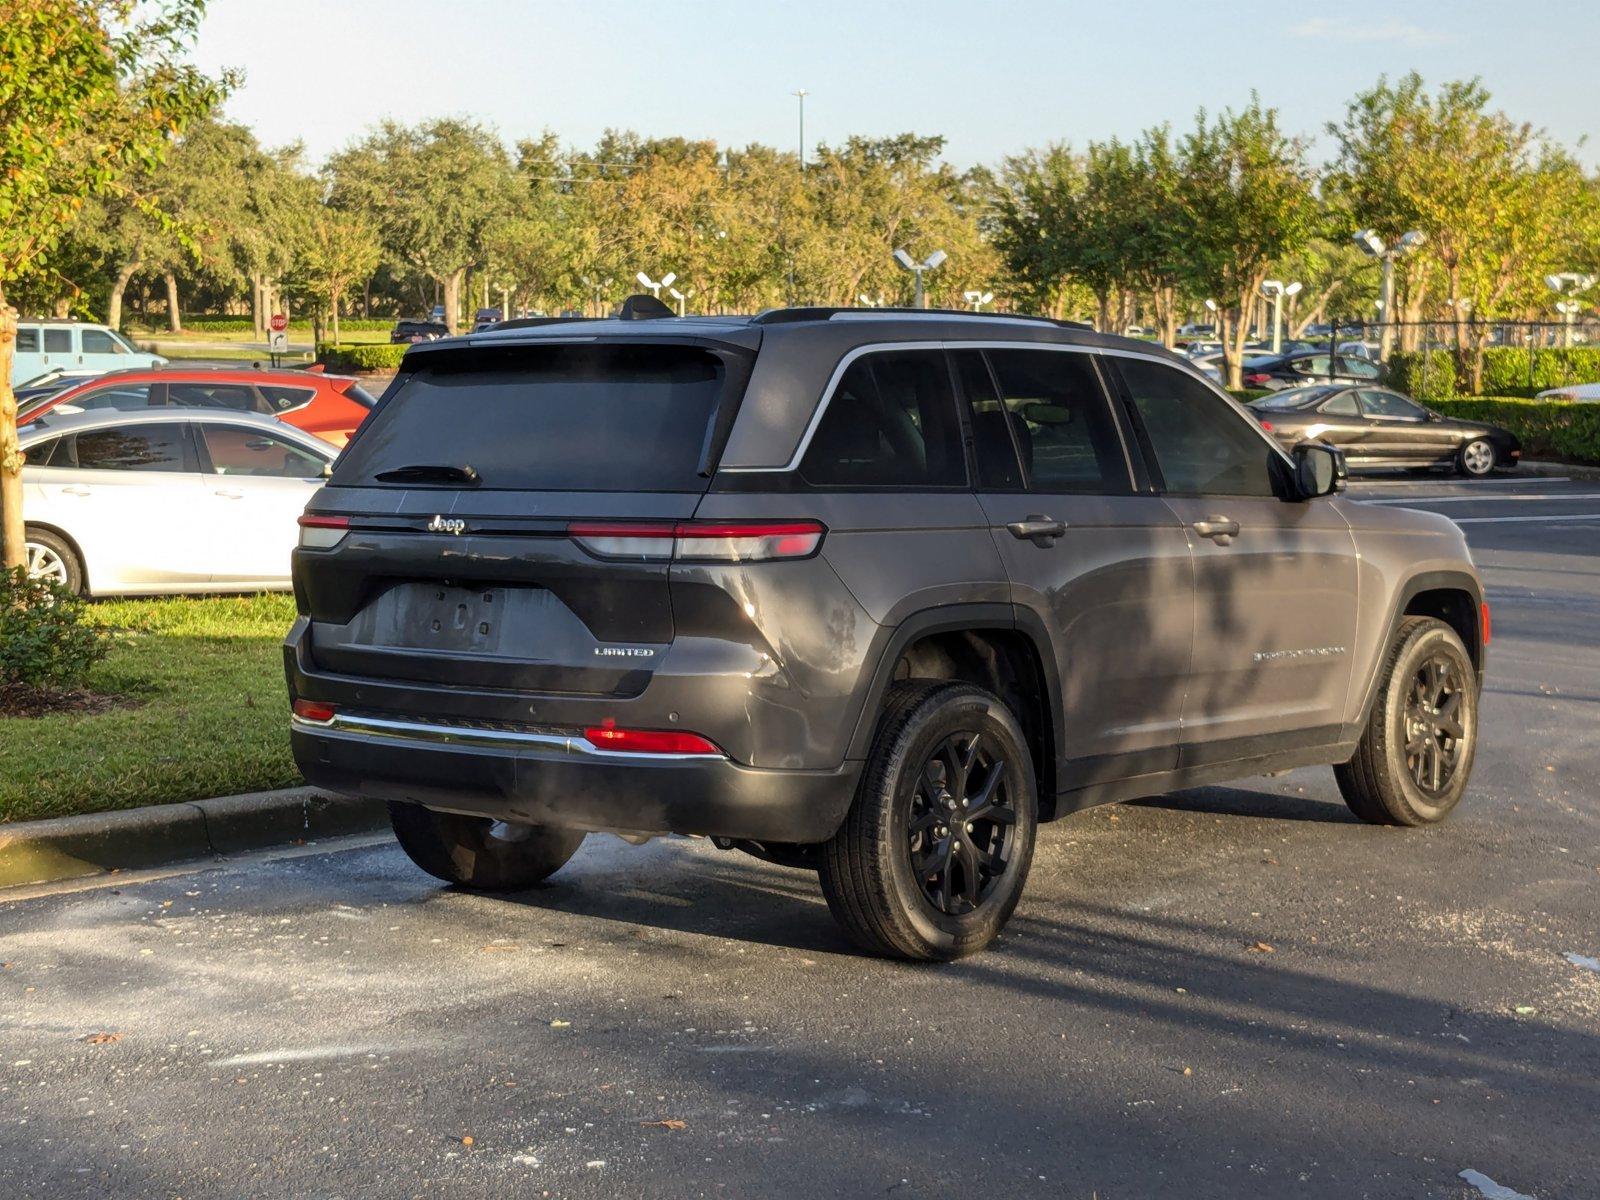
[
  {"x": 1221, "y": 530},
  {"x": 76, "y": 491},
  {"x": 1038, "y": 529},
  {"x": 227, "y": 494}
]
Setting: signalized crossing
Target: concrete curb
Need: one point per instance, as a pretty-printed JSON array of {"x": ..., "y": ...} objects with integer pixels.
[
  {"x": 137, "y": 838},
  {"x": 1569, "y": 470}
]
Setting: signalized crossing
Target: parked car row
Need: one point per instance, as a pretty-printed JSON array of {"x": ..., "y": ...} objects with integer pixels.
[{"x": 46, "y": 346}]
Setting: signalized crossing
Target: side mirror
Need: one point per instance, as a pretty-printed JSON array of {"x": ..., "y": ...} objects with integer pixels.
[{"x": 1319, "y": 469}]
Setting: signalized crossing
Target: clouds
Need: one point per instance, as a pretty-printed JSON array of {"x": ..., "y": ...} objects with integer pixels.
[{"x": 1389, "y": 29}]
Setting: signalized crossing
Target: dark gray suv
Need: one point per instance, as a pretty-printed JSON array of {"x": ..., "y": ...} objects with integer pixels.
[{"x": 868, "y": 592}]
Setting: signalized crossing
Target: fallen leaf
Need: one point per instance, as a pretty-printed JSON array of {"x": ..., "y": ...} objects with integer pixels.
[
  {"x": 1262, "y": 948},
  {"x": 559, "y": 1024},
  {"x": 101, "y": 1039},
  {"x": 492, "y": 947},
  {"x": 668, "y": 1124},
  {"x": 1526, "y": 1010},
  {"x": 467, "y": 1140}
]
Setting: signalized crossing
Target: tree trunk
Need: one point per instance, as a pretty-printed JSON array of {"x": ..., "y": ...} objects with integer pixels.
[
  {"x": 174, "y": 317},
  {"x": 258, "y": 306},
  {"x": 11, "y": 537},
  {"x": 1102, "y": 306},
  {"x": 333, "y": 305},
  {"x": 452, "y": 297},
  {"x": 119, "y": 285}
]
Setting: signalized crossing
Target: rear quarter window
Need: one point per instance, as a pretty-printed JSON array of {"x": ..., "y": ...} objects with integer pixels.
[
  {"x": 890, "y": 422},
  {"x": 549, "y": 418}
]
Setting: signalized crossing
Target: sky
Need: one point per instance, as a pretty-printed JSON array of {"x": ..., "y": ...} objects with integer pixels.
[{"x": 992, "y": 76}]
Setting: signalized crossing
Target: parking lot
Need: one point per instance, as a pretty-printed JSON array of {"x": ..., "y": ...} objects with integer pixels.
[{"x": 1232, "y": 991}]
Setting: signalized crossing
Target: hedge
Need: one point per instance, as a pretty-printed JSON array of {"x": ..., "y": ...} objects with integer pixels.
[
  {"x": 1433, "y": 375},
  {"x": 200, "y": 324},
  {"x": 1548, "y": 428},
  {"x": 375, "y": 357}
]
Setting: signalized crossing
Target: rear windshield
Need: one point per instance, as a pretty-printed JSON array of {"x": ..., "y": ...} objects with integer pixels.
[
  {"x": 1295, "y": 399},
  {"x": 549, "y": 418}
]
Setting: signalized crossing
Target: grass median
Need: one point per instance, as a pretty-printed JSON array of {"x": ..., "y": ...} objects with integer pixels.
[{"x": 205, "y": 713}]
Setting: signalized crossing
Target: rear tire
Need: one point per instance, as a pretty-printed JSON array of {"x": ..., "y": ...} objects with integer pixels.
[
  {"x": 1415, "y": 755},
  {"x": 479, "y": 853},
  {"x": 1476, "y": 459},
  {"x": 50, "y": 556},
  {"x": 933, "y": 854}
]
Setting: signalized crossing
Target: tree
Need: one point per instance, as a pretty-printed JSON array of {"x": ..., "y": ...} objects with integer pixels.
[
  {"x": 90, "y": 92},
  {"x": 335, "y": 251},
  {"x": 434, "y": 193},
  {"x": 1246, "y": 199}
]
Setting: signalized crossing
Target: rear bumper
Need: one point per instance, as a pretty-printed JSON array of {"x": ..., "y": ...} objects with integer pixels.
[{"x": 546, "y": 777}]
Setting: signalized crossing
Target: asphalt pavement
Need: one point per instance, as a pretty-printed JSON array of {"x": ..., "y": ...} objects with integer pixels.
[{"x": 1227, "y": 992}]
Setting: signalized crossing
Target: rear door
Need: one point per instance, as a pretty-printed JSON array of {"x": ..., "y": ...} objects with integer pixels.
[
  {"x": 1105, "y": 568},
  {"x": 1275, "y": 579},
  {"x": 257, "y": 485},
  {"x": 464, "y": 492}
]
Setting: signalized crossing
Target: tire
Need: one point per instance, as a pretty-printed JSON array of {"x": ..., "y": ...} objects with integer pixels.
[
  {"x": 1392, "y": 779},
  {"x": 922, "y": 761},
  {"x": 51, "y": 554},
  {"x": 478, "y": 853},
  {"x": 1476, "y": 459}
]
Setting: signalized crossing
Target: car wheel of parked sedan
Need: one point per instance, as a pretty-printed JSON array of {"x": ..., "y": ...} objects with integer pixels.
[
  {"x": 50, "y": 556},
  {"x": 933, "y": 853},
  {"x": 1415, "y": 755},
  {"x": 480, "y": 853},
  {"x": 1477, "y": 458}
]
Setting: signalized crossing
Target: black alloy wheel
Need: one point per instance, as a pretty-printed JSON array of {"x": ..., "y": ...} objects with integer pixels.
[{"x": 962, "y": 821}]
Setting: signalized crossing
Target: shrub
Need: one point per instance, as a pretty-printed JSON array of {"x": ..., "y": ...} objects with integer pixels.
[
  {"x": 1428, "y": 375},
  {"x": 1548, "y": 429},
  {"x": 379, "y": 356},
  {"x": 1434, "y": 375},
  {"x": 45, "y": 638}
]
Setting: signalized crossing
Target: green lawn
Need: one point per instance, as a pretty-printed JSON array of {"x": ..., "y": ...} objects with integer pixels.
[{"x": 211, "y": 714}]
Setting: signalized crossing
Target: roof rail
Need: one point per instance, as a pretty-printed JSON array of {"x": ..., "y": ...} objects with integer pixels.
[
  {"x": 532, "y": 322},
  {"x": 787, "y": 316}
]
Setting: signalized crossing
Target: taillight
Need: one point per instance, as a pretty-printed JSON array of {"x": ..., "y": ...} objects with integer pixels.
[
  {"x": 699, "y": 541},
  {"x": 1485, "y": 625},
  {"x": 320, "y": 532},
  {"x": 1267, "y": 425},
  {"x": 314, "y": 711},
  {"x": 1257, "y": 380},
  {"x": 646, "y": 741}
]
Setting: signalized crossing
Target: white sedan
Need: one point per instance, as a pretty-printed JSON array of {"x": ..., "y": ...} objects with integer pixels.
[
  {"x": 1581, "y": 393},
  {"x": 166, "y": 500}
]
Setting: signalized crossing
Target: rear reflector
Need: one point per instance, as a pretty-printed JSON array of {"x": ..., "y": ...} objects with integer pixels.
[
  {"x": 1485, "y": 626},
  {"x": 647, "y": 741},
  {"x": 699, "y": 541},
  {"x": 320, "y": 532},
  {"x": 312, "y": 710}
]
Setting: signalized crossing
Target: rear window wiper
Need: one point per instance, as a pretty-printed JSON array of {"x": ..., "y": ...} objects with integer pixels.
[{"x": 430, "y": 473}]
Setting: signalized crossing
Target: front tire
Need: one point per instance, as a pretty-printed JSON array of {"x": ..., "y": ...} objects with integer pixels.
[
  {"x": 1476, "y": 459},
  {"x": 1415, "y": 755},
  {"x": 479, "y": 853},
  {"x": 50, "y": 556},
  {"x": 932, "y": 856}
]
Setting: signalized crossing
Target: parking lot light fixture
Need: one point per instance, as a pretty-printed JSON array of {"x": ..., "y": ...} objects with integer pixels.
[
  {"x": 654, "y": 286},
  {"x": 977, "y": 299},
  {"x": 1568, "y": 284},
  {"x": 1372, "y": 244},
  {"x": 918, "y": 269}
]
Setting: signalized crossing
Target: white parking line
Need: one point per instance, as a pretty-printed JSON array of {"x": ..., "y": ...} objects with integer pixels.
[
  {"x": 1519, "y": 481},
  {"x": 1403, "y": 500}
]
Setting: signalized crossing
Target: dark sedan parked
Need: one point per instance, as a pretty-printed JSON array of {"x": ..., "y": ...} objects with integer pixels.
[
  {"x": 1313, "y": 366},
  {"x": 1380, "y": 428},
  {"x": 411, "y": 332}
]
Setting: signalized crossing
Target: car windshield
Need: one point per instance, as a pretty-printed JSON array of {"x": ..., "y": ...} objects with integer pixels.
[
  {"x": 548, "y": 418},
  {"x": 1294, "y": 399}
]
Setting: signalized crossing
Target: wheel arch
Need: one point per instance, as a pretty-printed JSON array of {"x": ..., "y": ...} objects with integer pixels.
[
  {"x": 1454, "y": 597},
  {"x": 72, "y": 543},
  {"x": 994, "y": 646}
]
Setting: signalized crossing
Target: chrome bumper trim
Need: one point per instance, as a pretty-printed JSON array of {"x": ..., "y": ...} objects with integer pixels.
[{"x": 439, "y": 733}]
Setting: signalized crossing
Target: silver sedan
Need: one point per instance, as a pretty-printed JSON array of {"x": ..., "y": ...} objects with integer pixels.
[{"x": 166, "y": 500}]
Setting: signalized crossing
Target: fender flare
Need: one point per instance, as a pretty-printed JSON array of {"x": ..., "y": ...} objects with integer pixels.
[{"x": 1423, "y": 581}]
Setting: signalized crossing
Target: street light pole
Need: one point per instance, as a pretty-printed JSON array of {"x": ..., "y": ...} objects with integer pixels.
[
  {"x": 917, "y": 269},
  {"x": 801, "y": 95},
  {"x": 1372, "y": 244}
]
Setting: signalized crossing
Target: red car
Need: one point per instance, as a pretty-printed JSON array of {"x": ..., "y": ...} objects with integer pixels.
[{"x": 328, "y": 406}]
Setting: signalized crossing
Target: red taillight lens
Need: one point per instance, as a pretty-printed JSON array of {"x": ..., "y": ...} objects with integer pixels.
[
  {"x": 701, "y": 541},
  {"x": 313, "y": 710},
  {"x": 1257, "y": 380},
  {"x": 320, "y": 532},
  {"x": 1267, "y": 425},
  {"x": 647, "y": 741},
  {"x": 1486, "y": 626}
]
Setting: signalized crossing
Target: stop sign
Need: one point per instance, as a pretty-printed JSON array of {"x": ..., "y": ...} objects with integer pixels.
[{"x": 279, "y": 322}]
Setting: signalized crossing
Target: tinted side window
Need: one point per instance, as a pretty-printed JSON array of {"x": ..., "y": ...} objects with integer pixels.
[
  {"x": 234, "y": 397},
  {"x": 1201, "y": 445},
  {"x": 998, "y": 467},
  {"x": 98, "y": 341},
  {"x": 1059, "y": 417},
  {"x": 38, "y": 454},
  {"x": 1343, "y": 405},
  {"x": 282, "y": 399},
  {"x": 134, "y": 448},
  {"x": 28, "y": 341},
  {"x": 58, "y": 341},
  {"x": 116, "y": 395},
  {"x": 1388, "y": 404},
  {"x": 891, "y": 422},
  {"x": 1357, "y": 368},
  {"x": 237, "y": 451}
]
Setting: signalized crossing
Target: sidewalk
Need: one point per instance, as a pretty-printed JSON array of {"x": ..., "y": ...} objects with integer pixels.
[{"x": 133, "y": 838}]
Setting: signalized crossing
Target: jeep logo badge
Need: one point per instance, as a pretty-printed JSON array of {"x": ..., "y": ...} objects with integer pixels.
[{"x": 443, "y": 524}]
